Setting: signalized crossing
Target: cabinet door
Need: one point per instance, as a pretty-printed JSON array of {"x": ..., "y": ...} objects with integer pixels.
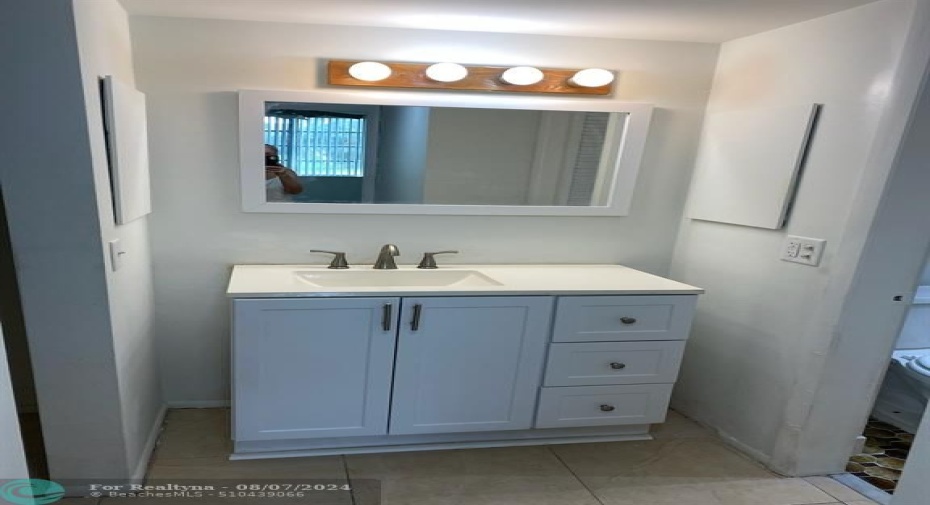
[
  {"x": 469, "y": 363},
  {"x": 312, "y": 368}
]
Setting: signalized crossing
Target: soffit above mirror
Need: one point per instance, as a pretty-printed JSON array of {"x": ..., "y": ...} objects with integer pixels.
[{"x": 711, "y": 21}]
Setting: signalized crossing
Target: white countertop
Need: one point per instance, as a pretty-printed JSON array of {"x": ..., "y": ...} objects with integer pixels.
[{"x": 280, "y": 281}]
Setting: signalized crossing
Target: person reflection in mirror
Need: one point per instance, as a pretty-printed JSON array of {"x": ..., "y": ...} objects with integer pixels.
[{"x": 281, "y": 183}]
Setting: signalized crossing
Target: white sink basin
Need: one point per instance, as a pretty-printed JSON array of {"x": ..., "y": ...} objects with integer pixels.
[{"x": 395, "y": 278}]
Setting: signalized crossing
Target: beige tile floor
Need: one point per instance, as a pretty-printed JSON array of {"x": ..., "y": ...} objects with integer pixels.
[{"x": 684, "y": 465}]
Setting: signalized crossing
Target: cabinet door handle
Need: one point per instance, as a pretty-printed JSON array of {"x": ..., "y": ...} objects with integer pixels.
[
  {"x": 415, "y": 322},
  {"x": 617, "y": 366},
  {"x": 386, "y": 316},
  {"x": 608, "y": 408},
  {"x": 628, "y": 320}
]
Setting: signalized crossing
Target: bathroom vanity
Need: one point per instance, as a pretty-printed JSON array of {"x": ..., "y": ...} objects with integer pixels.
[{"x": 349, "y": 361}]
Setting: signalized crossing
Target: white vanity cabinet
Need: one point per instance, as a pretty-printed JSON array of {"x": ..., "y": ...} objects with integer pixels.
[
  {"x": 325, "y": 368},
  {"x": 328, "y": 370}
]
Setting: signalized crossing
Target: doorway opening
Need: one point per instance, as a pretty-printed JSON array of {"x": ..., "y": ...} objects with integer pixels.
[
  {"x": 18, "y": 357},
  {"x": 886, "y": 441}
]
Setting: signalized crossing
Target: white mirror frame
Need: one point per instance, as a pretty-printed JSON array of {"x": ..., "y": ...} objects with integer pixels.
[{"x": 251, "y": 151}]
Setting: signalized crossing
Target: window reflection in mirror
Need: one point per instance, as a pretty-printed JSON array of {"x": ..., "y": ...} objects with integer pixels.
[{"x": 335, "y": 153}]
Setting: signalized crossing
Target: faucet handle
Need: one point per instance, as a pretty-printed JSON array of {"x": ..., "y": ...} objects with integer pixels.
[
  {"x": 429, "y": 262},
  {"x": 339, "y": 259},
  {"x": 390, "y": 249}
]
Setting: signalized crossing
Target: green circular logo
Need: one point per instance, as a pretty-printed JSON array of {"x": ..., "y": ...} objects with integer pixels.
[{"x": 31, "y": 492}]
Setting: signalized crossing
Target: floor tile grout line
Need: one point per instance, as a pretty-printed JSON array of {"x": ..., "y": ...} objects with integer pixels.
[
  {"x": 583, "y": 484},
  {"x": 828, "y": 493},
  {"x": 345, "y": 469}
]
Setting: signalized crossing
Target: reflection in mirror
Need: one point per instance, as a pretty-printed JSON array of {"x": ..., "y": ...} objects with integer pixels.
[{"x": 344, "y": 153}]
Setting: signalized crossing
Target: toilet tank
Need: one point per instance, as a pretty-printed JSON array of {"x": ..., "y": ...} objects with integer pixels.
[{"x": 916, "y": 331}]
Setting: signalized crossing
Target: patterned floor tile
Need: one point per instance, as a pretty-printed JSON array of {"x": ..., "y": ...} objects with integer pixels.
[{"x": 883, "y": 456}]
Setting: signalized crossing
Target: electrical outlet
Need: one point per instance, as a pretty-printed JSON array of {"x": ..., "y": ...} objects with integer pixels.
[{"x": 803, "y": 250}]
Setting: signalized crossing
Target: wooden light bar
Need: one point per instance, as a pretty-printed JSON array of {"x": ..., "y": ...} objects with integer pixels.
[{"x": 480, "y": 78}]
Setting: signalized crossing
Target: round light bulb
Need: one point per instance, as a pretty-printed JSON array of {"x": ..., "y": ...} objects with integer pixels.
[
  {"x": 370, "y": 71},
  {"x": 446, "y": 72},
  {"x": 522, "y": 76},
  {"x": 592, "y": 78}
]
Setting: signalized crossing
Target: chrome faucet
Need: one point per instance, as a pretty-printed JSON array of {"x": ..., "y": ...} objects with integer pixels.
[{"x": 385, "y": 259}]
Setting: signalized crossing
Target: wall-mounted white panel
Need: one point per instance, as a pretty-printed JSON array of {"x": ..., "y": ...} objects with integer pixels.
[
  {"x": 128, "y": 148},
  {"x": 749, "y": 163}
]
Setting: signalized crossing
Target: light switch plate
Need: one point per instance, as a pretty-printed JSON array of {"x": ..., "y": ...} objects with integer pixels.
[
  {"x": 803, "y": 250},
  {"x": 116, "y": 254}
]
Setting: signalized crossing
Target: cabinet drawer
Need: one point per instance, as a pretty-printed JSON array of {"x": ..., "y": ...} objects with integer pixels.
[
  {"x": 613, "y": 318},
  {"x": 603, "y": 363},
  {"x": 567, "y": 407}
]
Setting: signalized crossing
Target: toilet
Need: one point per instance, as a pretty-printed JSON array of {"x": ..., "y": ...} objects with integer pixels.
[
  {"x": 913, "y": 365},
  {"x": 906, "y": 390}
]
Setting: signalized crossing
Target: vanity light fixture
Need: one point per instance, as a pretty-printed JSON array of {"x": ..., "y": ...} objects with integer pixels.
[
  {"x": 592, "y": 78},
  {"x": 456, "y": 77},
  {"x": 446, "y": 72},
  {"x": 370, "y": 71},
  {"x": 522, "y": 76}
]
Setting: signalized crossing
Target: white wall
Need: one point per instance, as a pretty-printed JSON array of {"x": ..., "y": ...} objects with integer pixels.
[
  {"x": 105, "y": 49},
  {"x": 763, "y": 325},
  {"x": 12, "y": 457},
  {"x": 190, "y": 70}
]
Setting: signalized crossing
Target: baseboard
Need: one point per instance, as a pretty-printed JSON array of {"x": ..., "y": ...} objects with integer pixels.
[
  {"x": 301, "y": 453},
  {"x": 751, "y": 452},
  {"x": 197, "y": 404},
  {"x": 142, "y": 465},
  {"x": 731, "y": 441}
]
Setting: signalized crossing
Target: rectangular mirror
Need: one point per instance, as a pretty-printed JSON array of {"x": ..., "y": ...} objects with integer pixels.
[{"x": 332, "y": 153}]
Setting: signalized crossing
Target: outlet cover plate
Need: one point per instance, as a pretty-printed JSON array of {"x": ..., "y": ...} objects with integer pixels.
[{"x": 803, "y": 250}]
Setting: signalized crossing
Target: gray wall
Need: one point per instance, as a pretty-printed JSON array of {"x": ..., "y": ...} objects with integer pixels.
[
  {"x": 92, "y": 357},
  {"x": 105, "y": 49},
  {"x": 402, "y": 149}
]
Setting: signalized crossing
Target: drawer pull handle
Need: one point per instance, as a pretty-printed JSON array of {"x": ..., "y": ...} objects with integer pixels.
[
  {"x": 628, "y": 320},
  {"x": 617, "y": 366},
  {"x": 608, "y": 408}
]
